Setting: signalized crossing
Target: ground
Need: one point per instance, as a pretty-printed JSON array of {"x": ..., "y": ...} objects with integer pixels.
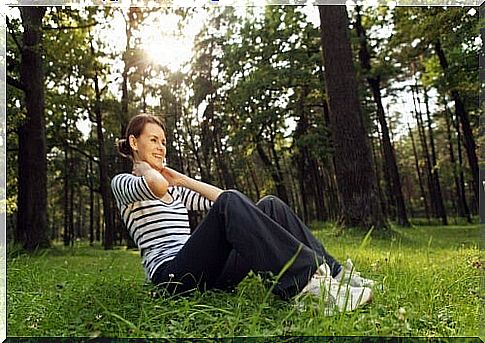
[{"x": 432, "y": 278}]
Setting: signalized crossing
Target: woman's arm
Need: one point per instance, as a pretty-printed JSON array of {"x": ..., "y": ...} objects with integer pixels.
[
  {"x": 155, "y": 180},
  {"x": 178, "y": 179}
]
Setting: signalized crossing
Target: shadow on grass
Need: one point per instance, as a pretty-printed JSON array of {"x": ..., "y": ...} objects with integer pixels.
[
  {"x": 57, "y": 249},
  {"x": 416, "y": 236}
]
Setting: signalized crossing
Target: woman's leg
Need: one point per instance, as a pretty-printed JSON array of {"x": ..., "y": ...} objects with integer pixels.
[
  {"x": 280, "y": 212},
  {"x": 235, "y": 223},
  {"x": 237, "y": 267}
]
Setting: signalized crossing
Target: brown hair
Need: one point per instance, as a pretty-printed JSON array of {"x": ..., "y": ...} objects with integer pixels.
[{"x": 135, "y": 128}]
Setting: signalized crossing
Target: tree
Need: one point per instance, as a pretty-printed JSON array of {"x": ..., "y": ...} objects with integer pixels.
[
  {"x": 441, "y": 42},
  {"x": 356, "y": 177},
  {"x": 374, "y": 80},
  {"x": 32, "y": 161},
  {"x": 462, "y": 114}
]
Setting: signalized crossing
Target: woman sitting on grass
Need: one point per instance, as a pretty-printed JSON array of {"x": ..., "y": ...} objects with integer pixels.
[{"x": 235, "y": 237}]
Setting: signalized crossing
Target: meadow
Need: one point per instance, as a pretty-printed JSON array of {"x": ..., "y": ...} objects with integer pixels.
[{"x": 431, "y": 285}]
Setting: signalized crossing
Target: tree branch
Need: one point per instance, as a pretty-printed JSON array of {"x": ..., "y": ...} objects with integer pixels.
[
  {"x": 90, "y": 157},
  {"x": 15, "y": 83},
  {"x": 70, "y": 27}
]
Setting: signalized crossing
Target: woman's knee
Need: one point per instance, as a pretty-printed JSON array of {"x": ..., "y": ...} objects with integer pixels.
[
  {"x": 270, "y": 200},
  {"x": 266, "y": 199},
  {"x": 230, "y": 194}
]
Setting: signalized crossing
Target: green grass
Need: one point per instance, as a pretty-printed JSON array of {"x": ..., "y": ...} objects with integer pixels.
[{"x": 433, "y": 274}]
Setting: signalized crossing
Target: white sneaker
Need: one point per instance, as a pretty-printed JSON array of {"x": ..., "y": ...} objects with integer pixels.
[
  {"x": 336, "y": 295},
  {"x": 348, "y": 275}
]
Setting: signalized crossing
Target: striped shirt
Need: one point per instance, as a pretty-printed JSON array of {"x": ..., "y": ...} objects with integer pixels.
[{"x": 159, "y": 229}]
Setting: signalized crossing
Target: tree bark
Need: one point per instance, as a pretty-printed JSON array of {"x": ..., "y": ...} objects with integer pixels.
[
  {"x": 389, "y": 154},
  {"x": 418, "y": 171},
  {"x": 462, "y": 114},
  {"x": 254, "y": 179},
  {"x": 67, "y": 186},
  {"x": 322, "y": 212},
  {"x": 195, "y": 150},
  {"x": 104, "y": 186},
  {"x": 388, "y": 203},
  {"x": 378, "y": 178},
  {"x": 32, "y": 155},
  {"x": 68, "y": 189},
  {"x": 301, "y": 153},
  {"x": 424, "y": 146},
  {"x": 460, "y": 160},
  {"x": 434, "y": 167},
  {"x": 70, "y": 237},
  {"x": 98, "y": 220},
  {"x": 220, "y": 156},
  {"x": 461, "y": 204},
  {"x": 91, "y": 203},
  {"x": 356, "y": 178},
  {"x": 124, "y": 114},
  {"x": 275, "y": 175}
]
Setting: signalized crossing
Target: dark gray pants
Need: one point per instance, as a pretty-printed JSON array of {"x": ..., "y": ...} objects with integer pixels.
[{"x": 237, "y": 236}]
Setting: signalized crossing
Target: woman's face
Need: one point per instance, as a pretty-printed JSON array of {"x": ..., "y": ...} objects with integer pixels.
[{"x": 150, "y": 146}]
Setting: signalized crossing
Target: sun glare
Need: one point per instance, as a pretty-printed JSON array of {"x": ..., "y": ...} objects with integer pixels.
[
  {"x": 164, "y": 44},
  {"x": 168, "y": 51}
]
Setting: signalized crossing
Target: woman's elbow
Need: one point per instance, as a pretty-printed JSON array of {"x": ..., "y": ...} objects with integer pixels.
[
  {"x": 162, "y": 188},
  {"x": 159, "y": 186}
]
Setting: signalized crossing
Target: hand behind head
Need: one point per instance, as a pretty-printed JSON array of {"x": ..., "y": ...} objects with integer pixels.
[{"x": 140, "y": 167}]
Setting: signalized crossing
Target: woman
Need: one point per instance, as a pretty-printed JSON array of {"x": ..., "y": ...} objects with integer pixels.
[{"x": 235, "y": 237}]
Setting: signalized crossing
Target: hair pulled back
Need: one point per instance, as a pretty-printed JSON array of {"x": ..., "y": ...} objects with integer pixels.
[{"x": 135, "y": 127}]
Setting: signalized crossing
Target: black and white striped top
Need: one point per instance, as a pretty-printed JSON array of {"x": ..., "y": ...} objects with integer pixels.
[{"x": 159, "y": 229}]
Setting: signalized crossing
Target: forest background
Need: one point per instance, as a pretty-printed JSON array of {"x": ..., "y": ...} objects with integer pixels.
[{"x": 249, "y": 106}]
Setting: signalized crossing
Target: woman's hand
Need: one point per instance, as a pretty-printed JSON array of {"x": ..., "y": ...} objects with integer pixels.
[
  {"x": 155, "y": 180},
  {"x": 140, "y": 168},
  {"x": 173, "y": 177},
  {"x": 178, "y": 179}
]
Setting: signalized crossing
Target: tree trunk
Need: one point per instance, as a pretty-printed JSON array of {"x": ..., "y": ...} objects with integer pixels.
[
  {"x": 389, "y": 154},
  {"x": 389, "y": 205},
  {"x": 291, "y": 185},
  {"x": 322, "y": 212},
  {"x": 206, "y": 147},
  {"x": 378, "y": 178},
  {"x": 356, "y": 178},
  {"x": 461, "y": 204},
  {"x": 70, "y": 237},
  {"x": 460, "y": 163},
  {"x": 126, "y": 164},
  {"x": 98, "y": 220},
  {"x": 275, "y": 175},
  {"x": 67, "y": 186},
  {"x": 462, "y": 114},
  {"x": 221, "y": 158},
  {"x": 91, "y": 203},
  {"x": 32, "y": 155},
  {"x": 104, "y": 186},
  {"x": 195, "y": 149},
  {"x": 80, "y": 214},
  {"x": 301, "y": 154},
  {"x": 254, "y": 179},
  {"x": 424, "y": 146},
  {"x": 434, "y": 167},
  {"x": 420, "y": 179}
]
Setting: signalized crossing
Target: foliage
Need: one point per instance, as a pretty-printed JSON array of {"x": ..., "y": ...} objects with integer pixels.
[{"x": 254, "y": 89}]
